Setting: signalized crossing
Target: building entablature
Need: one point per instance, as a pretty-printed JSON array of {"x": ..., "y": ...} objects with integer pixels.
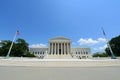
[{"x": 59, "y": 39}]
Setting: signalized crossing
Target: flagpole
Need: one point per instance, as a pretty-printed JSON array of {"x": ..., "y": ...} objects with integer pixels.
[
  {"x": 8, "y": 54},
  {"x": 108, "y": 44}
]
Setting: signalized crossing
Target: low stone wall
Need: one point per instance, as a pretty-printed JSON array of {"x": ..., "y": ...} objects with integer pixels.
[{"x": 104, "y": 58}]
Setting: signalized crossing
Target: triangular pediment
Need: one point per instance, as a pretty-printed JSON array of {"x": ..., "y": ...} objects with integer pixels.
[{"x": 59, "y": 38}]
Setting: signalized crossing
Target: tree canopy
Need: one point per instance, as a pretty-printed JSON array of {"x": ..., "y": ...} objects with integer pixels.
[
  {"x": 115, "y": 45},
  {"x": 20, "y": 48},
  {"x": 100, "y": 54}
]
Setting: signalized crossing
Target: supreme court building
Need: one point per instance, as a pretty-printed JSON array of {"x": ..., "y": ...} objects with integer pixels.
[{"x": 60, "y": 48}]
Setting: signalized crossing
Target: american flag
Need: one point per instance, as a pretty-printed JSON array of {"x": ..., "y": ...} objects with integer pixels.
[
  {"x": 103, "y": 32},
  {"x": 18, "y": 33}
]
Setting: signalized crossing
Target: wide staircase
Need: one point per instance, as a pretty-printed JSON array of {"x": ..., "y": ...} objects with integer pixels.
[{"x": 54, "y": 56}]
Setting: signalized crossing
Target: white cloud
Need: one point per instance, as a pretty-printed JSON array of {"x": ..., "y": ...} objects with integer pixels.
[
  {"x": 103, "y": 47},
  {"x": 90, "y": 41},
  {"x": 38, "y": 45},
  {"x": 100, "y": 48},
  {"x": 96, "y": 45},
  {"x": 102, "y": 40},
  {"x": 87, "y": 41}
]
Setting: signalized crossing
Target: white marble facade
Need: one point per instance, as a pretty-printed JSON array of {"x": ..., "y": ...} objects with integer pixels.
[{"x": 60, "y": 47}]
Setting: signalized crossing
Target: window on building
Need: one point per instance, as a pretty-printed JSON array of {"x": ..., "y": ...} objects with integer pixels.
[
  {"x": 86, "y": 52},
  {"x": 40, "y": 52}
]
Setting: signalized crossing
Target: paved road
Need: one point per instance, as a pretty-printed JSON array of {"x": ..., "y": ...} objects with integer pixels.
[{"x": 36, "y": 73}]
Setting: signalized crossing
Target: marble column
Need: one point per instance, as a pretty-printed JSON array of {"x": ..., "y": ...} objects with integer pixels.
[
  {"x": 52, "y": 49},
  {"x": 58, "y": 48},
  {"x": 55, "y": 49},
  {"x": 67, "y": 49},
  {"x": 64, "y": 49},
  {"x": 61, "y": 49}
]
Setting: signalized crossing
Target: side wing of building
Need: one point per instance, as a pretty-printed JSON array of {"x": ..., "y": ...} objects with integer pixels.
[
  {"x": 39, "y": 52},
  {"x": 81, "y": 53}
]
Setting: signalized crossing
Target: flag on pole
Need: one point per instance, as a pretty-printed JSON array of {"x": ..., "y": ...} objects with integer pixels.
[
  {"x": 18, "y": 33},
  {"x": 8, "y": 54}
]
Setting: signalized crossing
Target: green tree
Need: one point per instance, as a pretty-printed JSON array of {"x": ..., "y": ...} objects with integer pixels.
[
  {"x": 115, "y": 45},
  {"x": 20, "y": 48},
  {"x": 99, "y": 54},
  {"x": 5, "y": 45},
  {"x": 29, "y": 55}
]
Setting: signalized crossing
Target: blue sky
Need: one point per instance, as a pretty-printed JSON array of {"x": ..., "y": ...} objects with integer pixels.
[{"x": 80, "y": 20}]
